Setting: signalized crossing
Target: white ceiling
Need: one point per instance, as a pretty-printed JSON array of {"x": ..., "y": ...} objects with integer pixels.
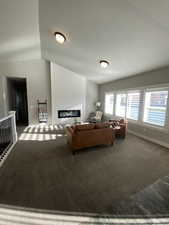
[
  {"x": 19, "y": 30},
  {"x": 132, "y": 34}
]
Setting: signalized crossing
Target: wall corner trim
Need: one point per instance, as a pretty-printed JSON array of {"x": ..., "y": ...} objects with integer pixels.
[{"x": 164, "y": 144}]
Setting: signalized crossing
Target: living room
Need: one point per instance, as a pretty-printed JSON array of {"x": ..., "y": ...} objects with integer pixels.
[{"x": 84, "y": 130}]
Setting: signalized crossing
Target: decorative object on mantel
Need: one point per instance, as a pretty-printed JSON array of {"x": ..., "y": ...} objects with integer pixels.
[{"x": 42, "y": 111}]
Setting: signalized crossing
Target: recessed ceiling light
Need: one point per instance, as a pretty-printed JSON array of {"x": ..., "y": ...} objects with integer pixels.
[
  {"x": 60, "y": 38},
  {"x": 104, "y": 63}
]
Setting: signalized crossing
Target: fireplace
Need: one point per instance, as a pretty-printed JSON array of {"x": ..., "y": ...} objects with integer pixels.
[{"x": 68, "y": 113}]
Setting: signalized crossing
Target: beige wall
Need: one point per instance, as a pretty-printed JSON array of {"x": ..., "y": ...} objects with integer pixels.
[
  {"x": 91, "y": 97},
  {"x": 67, "y": 89},
  {"x": 156, "y": 77},
  {"x": 37, "y": 74}
]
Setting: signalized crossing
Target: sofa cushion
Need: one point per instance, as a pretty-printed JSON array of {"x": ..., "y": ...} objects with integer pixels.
[
  {"x": 102, "y": 125},
  {"x": 114, "y": 123},
  {"x": 82, "y": 127}
]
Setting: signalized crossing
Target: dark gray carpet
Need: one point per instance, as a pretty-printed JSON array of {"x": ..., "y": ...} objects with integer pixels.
[
  {"x": 153, "y": 200},
  {"x": 41, "y": 172}
]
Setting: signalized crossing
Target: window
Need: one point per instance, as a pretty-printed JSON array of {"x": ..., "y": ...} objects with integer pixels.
[
  {"x": 133, "y": 103},
  {"x": 128, "y": 105},
  {"x": 155, "y": 107},
  {"x": 121, "y": 105},
  {"x": 109, "y": 101}
]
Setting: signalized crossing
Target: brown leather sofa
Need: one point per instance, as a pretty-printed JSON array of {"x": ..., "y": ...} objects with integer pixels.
[
  {"x": 88, "y": 135},
  {"x": 120, "y": 127}
]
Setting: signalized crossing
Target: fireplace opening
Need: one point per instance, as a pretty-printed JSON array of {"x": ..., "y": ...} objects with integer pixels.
[{"x": 69, "y": 113}]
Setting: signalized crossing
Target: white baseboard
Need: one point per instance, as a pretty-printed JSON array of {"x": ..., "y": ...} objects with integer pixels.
[
  {"x": 22, "y": 215},
  {"x": 164, "y": 144}
]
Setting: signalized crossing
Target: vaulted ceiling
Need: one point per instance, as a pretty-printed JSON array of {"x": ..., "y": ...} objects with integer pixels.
[
  {"x": 133, "y": 35},
  {"x": 19, "y": 30}
]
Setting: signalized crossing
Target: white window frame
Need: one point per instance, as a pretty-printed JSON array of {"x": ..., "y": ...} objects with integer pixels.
[
  {"x": 126, "y": 92},
  {"x": 133, "y": 91},
  {"x": 109, "y": 93},
  {"x": 142, "y": 91},
  {"x": 147, "y": 124},
  {"x": 122, "y": 93}
]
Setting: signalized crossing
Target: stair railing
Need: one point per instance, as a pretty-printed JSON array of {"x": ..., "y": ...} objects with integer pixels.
[{"x": 8, "y": 135}]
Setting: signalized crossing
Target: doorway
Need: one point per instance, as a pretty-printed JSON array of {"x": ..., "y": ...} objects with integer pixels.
[{"x": 17, "y": 99}]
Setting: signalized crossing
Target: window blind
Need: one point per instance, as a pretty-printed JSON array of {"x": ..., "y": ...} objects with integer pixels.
[
  {"x": 121, "y": 105},
  {"x": 133, "y": 103},
  {"x": 155, "y": 107},
  {"x": 109, "y": 102}
]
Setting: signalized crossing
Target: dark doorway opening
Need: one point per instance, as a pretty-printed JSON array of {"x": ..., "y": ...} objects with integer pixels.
[{"x": 17, "y": 99}]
